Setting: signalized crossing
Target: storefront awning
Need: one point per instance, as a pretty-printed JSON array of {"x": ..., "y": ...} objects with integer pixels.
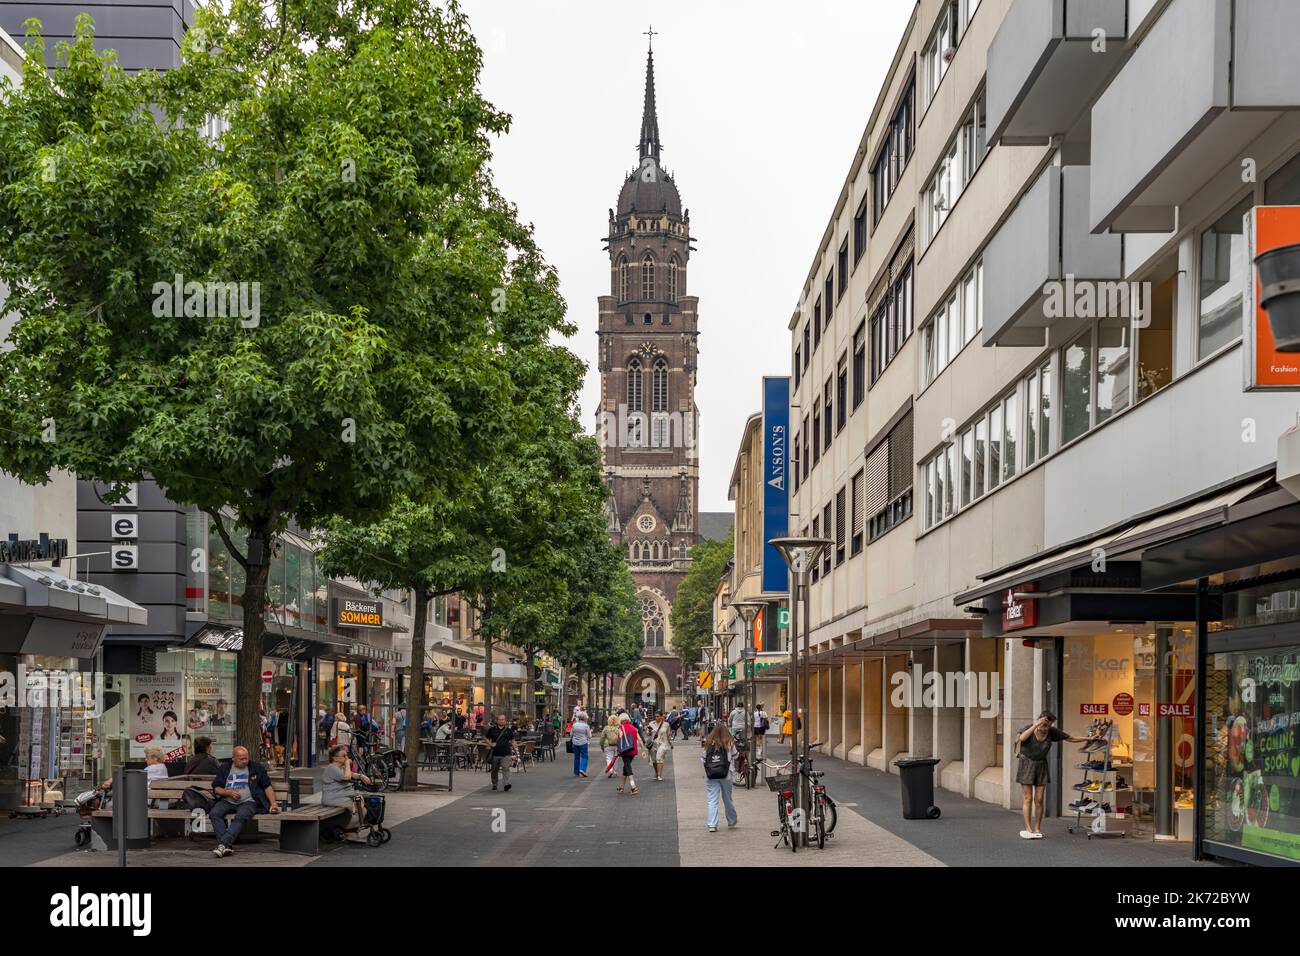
[
  {"x": 43, "y": 612},
  {"x": 277, "y": 644},
  {"x": 1122, "y": 542}
]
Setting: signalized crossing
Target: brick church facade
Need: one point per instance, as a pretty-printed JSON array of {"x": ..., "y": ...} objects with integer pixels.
[{"x": 648, "y": 420}]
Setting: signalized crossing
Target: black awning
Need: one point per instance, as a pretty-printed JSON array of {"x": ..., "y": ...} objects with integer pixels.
[{"x": 289, "y": 644}]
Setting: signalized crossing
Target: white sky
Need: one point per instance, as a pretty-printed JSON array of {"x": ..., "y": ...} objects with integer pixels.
[{"x": 761, "y": 104}]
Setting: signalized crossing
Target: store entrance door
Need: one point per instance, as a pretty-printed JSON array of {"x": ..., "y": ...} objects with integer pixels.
[{"x": 1052, "y": 702}]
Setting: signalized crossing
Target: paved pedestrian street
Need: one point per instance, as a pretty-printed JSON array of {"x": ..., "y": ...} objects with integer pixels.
[{"x": 551, "y": 818}]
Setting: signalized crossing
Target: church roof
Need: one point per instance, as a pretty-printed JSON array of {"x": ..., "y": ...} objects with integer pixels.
[
  {"x": 649, "y": 188},
  {"x": 714, "y": 525}
]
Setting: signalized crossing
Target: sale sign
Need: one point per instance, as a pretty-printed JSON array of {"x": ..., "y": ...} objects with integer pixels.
[
  {"x": 1174, "y": 710},
  {"x": 1144, "y": 710},
  {"x": 1094, "y": 710}
]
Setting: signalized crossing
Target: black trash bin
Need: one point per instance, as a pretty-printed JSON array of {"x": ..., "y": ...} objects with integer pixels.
[{"x": 917, "y": 776}]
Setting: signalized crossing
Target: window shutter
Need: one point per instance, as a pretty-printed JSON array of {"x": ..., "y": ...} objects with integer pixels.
[
  {"x": 900, "y": 457},
  {"x": 858, "y": 501},
  {"x": 877, "y": 480}
]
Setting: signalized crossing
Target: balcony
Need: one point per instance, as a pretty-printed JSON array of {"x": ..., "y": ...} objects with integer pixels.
[
  {"x": 1042, "y": 69},
  {"x": 1208, "y": 77},
  {"x": 1045, "y": 239}
]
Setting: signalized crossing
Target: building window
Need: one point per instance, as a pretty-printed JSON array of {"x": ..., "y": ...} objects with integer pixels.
[
  {"x": 839, "y": 526},
  {"x": 805, "y": 447},
  {"x": 956, "y": 169},
  {"x": 648, "y": 278},
  {"x": 807, "y": 346},
  {"x": 672, "y": 279},
  {"x": 659, "y": 396},
  {"x": 860, "y": 231},
  {"x": 842, "y": 392},
  {"x": 895, "y": 151},
  {"x": 817, "y": 324},
  {"x": 1223, "y": 272},
  {"x": 798, "y": 371},
  {"x": 859, "y": 488},
  {"x": 816, "y": 432},
  {"x": 828, "y": 405},
  {"x": 634, "y": 385},
  {"x": 888, "y": 491},
  {"x": 942, "y": 47},
  {"x": 623, "y": 272},
  {"x": 1096, "y": 377},
  {"x": 652, "y": 623},
  {"x": 859, "y": 365},
  {"x": 984, "y": 453},
  {"x": 827, "y": 530},
  {"x": 794, "y": 461},
  {"x": 891, "y": 323},
  {"x": 955, "y": 323},
  {"x": 842, "y": 269},
  {"x": 816, "y": 533},
  {"x": 830, "y": 298},
  {"x": 1038, "y": 414}
]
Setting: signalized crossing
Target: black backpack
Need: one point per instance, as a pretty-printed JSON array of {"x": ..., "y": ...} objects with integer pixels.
[{"x": 716, "y": 763}]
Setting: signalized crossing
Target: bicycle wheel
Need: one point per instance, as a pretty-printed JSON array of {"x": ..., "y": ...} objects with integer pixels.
[
  {"x": 830, "y": 814},
  {"x": 819, "y": 824},
  {"x": 795, "y": 834},
  {"x": 782, "y": 820}
]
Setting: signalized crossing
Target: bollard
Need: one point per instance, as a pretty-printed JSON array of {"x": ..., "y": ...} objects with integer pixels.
[{"x": 130, "y": 811}]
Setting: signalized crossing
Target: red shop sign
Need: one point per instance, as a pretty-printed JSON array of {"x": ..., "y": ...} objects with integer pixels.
[
  {"x": 1173, "y": 710},
  {"x": 1017, "y": 615},
  {"x": 1092, "y": 710},
  {"x": 1123, "y": 704},
  {"x": 1144, "y": 710}
]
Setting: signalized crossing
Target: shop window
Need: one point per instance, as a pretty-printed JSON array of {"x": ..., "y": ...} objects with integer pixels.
[
  {"x": 196, "y": 561},
  {"x": 1223, "y": 271}
]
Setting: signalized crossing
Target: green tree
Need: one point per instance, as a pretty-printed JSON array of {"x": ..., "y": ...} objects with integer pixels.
[
  {"x": 349, "y": 192},
  {"x": 692, "y": 614}
]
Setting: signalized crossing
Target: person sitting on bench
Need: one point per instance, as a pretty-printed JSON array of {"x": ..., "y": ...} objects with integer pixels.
[
  {"x": 243, "y": 788},
  {"x": 338, "y": 790}
]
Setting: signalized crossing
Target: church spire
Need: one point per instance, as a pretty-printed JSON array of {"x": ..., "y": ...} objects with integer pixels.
[{"x": 649, "y": 117}]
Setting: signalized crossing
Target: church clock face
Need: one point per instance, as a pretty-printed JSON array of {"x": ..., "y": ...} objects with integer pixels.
[
  {"x": 647, "y": 349},
  {"x": 646, "y": 523}
]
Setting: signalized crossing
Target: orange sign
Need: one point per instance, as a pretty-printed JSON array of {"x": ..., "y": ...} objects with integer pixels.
[
  {"x": 758, "y": 632},
  {"x": 1267, "y": 227}
]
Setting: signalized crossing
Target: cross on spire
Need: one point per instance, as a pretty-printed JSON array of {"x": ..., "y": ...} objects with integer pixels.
[
  {"x": 651, "y": 33},
  {"x": 650, "y": 117}
]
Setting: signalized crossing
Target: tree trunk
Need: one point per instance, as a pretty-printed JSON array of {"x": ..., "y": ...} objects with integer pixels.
[
  {"x": 248, "y": 693},
  {"x": 487, "y": 681},
  {"x": 416, "y": 700}
]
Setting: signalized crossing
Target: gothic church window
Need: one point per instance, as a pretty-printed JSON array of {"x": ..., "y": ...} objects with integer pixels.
[
  {"x": 648, "y": 278},
  {"x": 652, "y": 622},
  {"x": 623, "y": 273},
  {"x": 660, "y": 386},
  {"x": 672, "y": 279}
]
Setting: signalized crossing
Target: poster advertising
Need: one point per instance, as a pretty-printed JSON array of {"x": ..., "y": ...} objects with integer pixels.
[
  {"x": 156, "y": 705},
  {"x": 1267, "y": 227},
  {"x": 1252, "y": 737}
]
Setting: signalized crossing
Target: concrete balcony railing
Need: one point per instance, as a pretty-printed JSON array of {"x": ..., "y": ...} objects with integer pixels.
[
  {"x": 1047, "y": 63},
  {"x": 1207, "y": 77},
  {"x": 1044, "y": 240}
]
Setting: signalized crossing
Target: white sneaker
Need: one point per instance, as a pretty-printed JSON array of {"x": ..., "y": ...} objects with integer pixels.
[
  {"x": 713, "y": 829},
  {"x": 219, "y": 851},
  {"x": 1038, "y": 835},
  {"x": 1026, "y": 835}
]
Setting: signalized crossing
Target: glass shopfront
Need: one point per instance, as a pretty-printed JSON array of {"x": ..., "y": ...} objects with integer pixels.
[{"x": 1137, "y": 683}]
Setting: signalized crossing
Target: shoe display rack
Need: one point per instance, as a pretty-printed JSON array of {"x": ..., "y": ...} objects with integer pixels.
[{"x": 1098, "y": 793}]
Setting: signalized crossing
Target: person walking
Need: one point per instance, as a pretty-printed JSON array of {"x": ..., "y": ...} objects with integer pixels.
[
  {"x": 786, "y": 725},
  {"x": 674, "y": 720},
  {"x": 736, "y": 720},
  {"x": 660, "y": 743},
  {"x": 719, "y": 757},
  {"x": 628, "y": 740},
  {"x": 761, "y": 724},
  {"x": 609, "y": 744},
  {"x": 580, "y": 736},
  {"x": 502, "y": 737}
]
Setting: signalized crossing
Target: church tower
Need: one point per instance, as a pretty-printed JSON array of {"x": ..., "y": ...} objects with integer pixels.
[{"x": 647, "y": 421}]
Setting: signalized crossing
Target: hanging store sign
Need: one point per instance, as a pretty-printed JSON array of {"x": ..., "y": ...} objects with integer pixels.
[
  {"x": 1017, "y": 613},
  {"x": 1266, "y": 228},
  {"x": 350, "y": 612},
  {"x": 776, "y": 498}
]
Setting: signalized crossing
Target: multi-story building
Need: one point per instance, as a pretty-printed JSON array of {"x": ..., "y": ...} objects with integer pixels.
[{"x": 1039, "y": 412}]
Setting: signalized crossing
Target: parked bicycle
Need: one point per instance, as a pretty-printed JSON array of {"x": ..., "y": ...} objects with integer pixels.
[{"x": 820, "y": 815}]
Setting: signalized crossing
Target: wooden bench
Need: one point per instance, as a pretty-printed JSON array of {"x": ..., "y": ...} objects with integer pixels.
[{"x": 300, "y": 827}]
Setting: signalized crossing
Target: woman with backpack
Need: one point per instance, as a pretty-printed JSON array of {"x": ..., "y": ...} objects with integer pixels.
[
  {"x": 609, "y": 743},
  {"x": 719, "y": 757},
  {"x": 628, "y": 740}
]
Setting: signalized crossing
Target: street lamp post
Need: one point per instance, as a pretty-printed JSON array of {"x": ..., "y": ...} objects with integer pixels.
[
  {"x": 724, "y": 641},
  {"x": 799, "y": 554},
  {"x": 748, "y": 611}
]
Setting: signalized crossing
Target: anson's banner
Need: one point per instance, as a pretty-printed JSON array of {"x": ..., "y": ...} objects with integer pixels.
[
  {"x": 1267, "y": 227},
  {"x": 776, "y": 461}
]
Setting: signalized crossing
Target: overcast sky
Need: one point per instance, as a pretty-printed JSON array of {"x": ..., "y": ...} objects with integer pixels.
[{"x": 761, "y": 105}]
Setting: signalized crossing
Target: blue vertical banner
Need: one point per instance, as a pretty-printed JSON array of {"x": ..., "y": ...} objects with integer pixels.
[{"x": 776, "y": 470}]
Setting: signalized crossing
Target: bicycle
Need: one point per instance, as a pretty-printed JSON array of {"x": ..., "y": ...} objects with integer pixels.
[{"x": 820, "y": 814}]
